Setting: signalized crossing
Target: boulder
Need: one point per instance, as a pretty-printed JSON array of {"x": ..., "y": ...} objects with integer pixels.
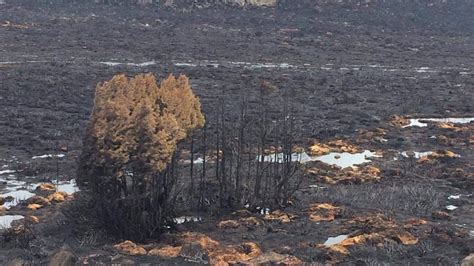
[
  {"x": 18, "y": 262},
  {"x": 193, "y": 252},
  {"x": 468, "y": 261},
  {"x": 63, "y": 258}
]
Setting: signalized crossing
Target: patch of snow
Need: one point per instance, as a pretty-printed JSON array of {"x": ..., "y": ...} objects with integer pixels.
[
  {"x": 48, "y": 156},
  {"x": 454, "y": 197},
  {"x": 144, "y": 64},
  {"x": 185, "y": 65},
  {"x": 335, "y": 240},
  {"x": 451, "y": 207},
  {"x": 4, "y": 172},
  {"x": 186, "y": 219},
  {"x": 341, "y": 160},
  {"x": 69, "y": 187},
  {"x": 417, "y": 122},
  {"x": 18, "y": 196}
]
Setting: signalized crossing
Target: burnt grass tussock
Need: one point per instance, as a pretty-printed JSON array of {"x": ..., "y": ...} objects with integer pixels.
[{"x": 270, "y": 80}]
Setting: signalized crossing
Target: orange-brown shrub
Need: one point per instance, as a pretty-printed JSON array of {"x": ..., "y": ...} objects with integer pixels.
[{"x": 128, "y": 148}]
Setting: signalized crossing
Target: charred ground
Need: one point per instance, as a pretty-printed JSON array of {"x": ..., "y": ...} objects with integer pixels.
[{"x": 348, "y": 69}]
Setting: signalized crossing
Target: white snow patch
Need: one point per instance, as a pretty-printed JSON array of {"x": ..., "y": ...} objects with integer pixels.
[
  {"x": 48, "y": 156},
  {"x": 451, "y": 207}
]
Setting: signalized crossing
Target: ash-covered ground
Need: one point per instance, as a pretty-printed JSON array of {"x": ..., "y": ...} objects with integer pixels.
[{"x": 350, "y": 71}]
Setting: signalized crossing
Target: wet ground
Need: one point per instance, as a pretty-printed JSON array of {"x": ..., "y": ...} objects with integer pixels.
[{"x": 350, "y": 72}]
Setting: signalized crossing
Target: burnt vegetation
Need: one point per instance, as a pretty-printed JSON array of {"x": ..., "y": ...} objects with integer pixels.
[{"x": 148, "y": 152}]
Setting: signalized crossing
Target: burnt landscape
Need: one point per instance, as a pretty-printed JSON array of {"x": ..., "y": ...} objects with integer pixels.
[{"x": 381, "y": 96}]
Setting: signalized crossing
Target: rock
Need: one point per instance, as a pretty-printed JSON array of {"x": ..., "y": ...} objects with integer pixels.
[
  {"x": 18, "y": 262},
  {"x": 63, "y": 258},
  {"x": 3, "y": 208},
  {"x": 9, "y": 199},
  {"x": 2, "y": 201},
  {"x": 63, "y": 148},
  {"x": 45, "y": 187},
  {"x": 468, "y": 261},
  {"x": 38, "y": 200},
  {"x": 228, "y": 224},
  {"x": 193, "y": 252},
  {"x": 130, "y": 248},
  {"x": 166, "y": 252}
]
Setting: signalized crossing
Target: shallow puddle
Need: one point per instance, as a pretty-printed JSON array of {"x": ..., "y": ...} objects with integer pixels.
[
  {"x": 418, "y": 155},
  {"x": 144, "y": 64},
  {"x": 5, "y": 172},
  {"x": 418, "y": 122},
  {"x": 451, "y": 207},
  {"x": 415, "y": 154},
  {"x": 454, "y": 197},
  {"x": 22, "y": 190},
  {"x": 48, "y": 156},
  {"x": 335, "y": 240},
  {"x": 18, "y": 196},
  {"x": 6, "y": 220},
  {"x": 187, "y": 219},
  {"x": 69, "y": 187},
  {"x": 340, "y": 159}
]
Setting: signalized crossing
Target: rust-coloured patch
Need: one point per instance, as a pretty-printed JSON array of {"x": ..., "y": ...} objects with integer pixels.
[
  {"x": 406, "y": 238},
  {"x": 57, "y": 197},
  {"x": 280, "y": 216},
  {"x": 234, "y": 254},
  {"x": 441, "y": 215},
  {"x": 33, "y": 219},
  {"x": 374, "y": 229},
  {"x": 414, "y": 222},
  {"x": 34, "y": 207},
  {"x": 45, "y": 187},
  {"x": 320, "y": 212},
  {"x": 205, "y": 242},
  {"x": 130, "y": 248},
  {"x": 166, "y": 252},
  {"x": 399, "y": 121},
  {"x": 334, "y": 175},
  {"x": 228, "y": 224},
  {"x": 38, "y": 200}
]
